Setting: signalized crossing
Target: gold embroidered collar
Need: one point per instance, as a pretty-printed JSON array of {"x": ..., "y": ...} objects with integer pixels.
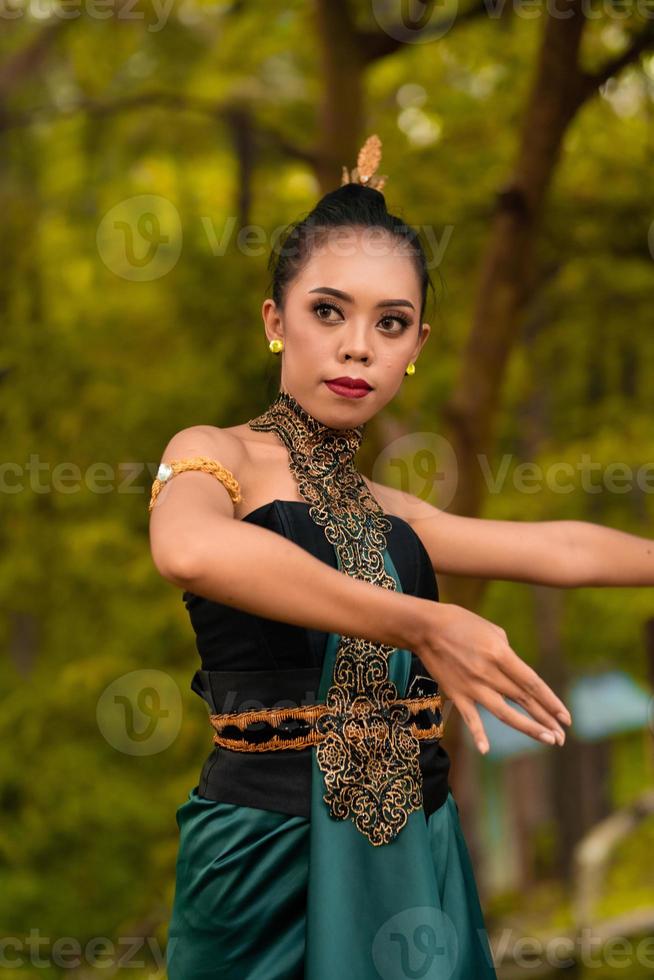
[{"x": 369, "y": 756}]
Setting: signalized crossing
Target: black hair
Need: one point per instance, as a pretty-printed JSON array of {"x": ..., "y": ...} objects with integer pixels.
[{"x": 351, "y": 205}]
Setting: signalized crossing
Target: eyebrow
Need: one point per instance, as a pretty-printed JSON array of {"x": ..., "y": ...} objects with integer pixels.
[{"x": 350, "y": 299}]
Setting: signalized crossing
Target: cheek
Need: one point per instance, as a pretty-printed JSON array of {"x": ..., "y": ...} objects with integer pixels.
[
  {"x": 309, "y": 342},
  {"x": 393, "y": 364}
]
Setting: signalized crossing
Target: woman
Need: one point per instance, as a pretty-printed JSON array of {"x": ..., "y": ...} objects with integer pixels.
[{"x": 322, "y": 839}]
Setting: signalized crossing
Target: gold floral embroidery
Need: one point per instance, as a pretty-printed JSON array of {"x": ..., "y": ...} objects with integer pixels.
[{"x": 369, "y": 755}]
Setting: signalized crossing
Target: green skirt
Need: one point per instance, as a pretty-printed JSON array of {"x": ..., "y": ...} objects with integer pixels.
[
  {"x": 240, "y": 905},
  {"x": 262, "y": 895}
]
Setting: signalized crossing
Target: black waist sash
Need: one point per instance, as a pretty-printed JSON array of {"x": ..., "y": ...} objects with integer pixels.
[{"x": 280, "y": 779}]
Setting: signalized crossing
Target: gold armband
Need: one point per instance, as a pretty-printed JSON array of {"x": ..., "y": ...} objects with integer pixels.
[{"x": 167, "y": 470}]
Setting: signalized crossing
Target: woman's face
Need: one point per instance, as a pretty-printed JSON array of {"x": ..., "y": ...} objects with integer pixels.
[{"x": 353, "y": 312}]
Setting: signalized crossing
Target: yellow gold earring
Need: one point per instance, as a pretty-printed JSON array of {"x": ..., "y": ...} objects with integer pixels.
[
  {"x": 411, "y": 368},
  {"x": 276, "y": 346}
]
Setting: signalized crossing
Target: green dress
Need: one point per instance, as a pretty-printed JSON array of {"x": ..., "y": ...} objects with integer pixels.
[
  {"x": 268, "y": 895},
  {"x": 271, "y": 882}
]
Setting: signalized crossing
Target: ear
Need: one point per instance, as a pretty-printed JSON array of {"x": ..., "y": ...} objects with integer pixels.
[
  {"x": 425, "y": 330},
  {"x": 272, "y": 320}
]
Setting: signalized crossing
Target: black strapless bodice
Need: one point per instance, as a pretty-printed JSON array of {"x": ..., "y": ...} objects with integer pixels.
[{"x": 250, "y": 661}]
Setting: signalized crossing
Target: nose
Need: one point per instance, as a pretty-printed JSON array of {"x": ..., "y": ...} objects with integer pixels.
[{"x": 356, "y": 347}]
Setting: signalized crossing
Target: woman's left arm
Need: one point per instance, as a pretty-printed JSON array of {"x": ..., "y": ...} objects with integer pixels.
[{"x": 565, "y": 553}]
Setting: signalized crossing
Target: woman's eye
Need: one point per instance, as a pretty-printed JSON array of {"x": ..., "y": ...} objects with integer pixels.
[
  {"x": 323, "y": 306},
  {"x": 401, "y": 320}
]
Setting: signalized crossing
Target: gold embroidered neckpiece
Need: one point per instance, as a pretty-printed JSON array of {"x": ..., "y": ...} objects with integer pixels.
[{"x": 369, "y": 755}]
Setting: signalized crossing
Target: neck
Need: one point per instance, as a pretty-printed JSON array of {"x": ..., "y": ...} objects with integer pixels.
[{"x": 285, "y": 402}]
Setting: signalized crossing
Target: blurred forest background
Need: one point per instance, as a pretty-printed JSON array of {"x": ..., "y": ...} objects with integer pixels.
[{"x": 149, "y": 155}]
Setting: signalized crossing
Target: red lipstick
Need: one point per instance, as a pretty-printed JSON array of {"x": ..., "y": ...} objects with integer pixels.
[{"x": 349, "y": 387}]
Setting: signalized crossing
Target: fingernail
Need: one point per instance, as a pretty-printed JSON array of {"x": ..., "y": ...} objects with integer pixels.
[
  {"x": 566, "y": 719},
  {"x": 483, "y": 747},
  {"x": 547, "y": 737}
]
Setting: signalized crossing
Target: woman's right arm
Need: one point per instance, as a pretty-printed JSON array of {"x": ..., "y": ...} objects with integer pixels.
[{"x": 198, "y": 545}]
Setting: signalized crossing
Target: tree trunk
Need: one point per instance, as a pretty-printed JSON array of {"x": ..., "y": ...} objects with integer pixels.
[{"x": 506, "y": 281}]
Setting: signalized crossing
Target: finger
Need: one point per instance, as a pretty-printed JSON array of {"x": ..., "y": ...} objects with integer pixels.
[
  {"x": 495, "y": 703},
  {"x": 533, "y": 685},
  {"x": 506, "y": 687},
  {"x": 472, "y": 719}
]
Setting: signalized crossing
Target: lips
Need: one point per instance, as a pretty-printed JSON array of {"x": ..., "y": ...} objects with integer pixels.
[{"x": 346, "y": 382}]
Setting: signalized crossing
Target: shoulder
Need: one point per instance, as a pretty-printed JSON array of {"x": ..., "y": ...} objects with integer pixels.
[
  {"x": 206, "y": 440},
  {"x": 405, "y": 505}
]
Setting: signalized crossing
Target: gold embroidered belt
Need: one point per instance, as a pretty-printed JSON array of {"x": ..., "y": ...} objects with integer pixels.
[{"x": 297, "y": 727}]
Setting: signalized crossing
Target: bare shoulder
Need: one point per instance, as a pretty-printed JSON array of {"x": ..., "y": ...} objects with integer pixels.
[
  {"x": 204, "y": 440},
  {"x": 405, "y": 505}
]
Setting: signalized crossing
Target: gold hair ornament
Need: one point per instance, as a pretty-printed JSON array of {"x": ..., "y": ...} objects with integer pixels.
[{"x": 367, "y": 163}]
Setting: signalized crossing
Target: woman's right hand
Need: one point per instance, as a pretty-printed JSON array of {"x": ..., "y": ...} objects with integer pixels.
[{"x": 472, "y": 661}]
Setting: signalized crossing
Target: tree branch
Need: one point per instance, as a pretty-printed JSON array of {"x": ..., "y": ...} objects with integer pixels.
[
  {"x": 591, "y": 81},
  {"x": 220, "y": 111}
]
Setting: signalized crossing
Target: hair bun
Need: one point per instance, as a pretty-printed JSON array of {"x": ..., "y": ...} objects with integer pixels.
[{"x": 360, "y": 191}]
